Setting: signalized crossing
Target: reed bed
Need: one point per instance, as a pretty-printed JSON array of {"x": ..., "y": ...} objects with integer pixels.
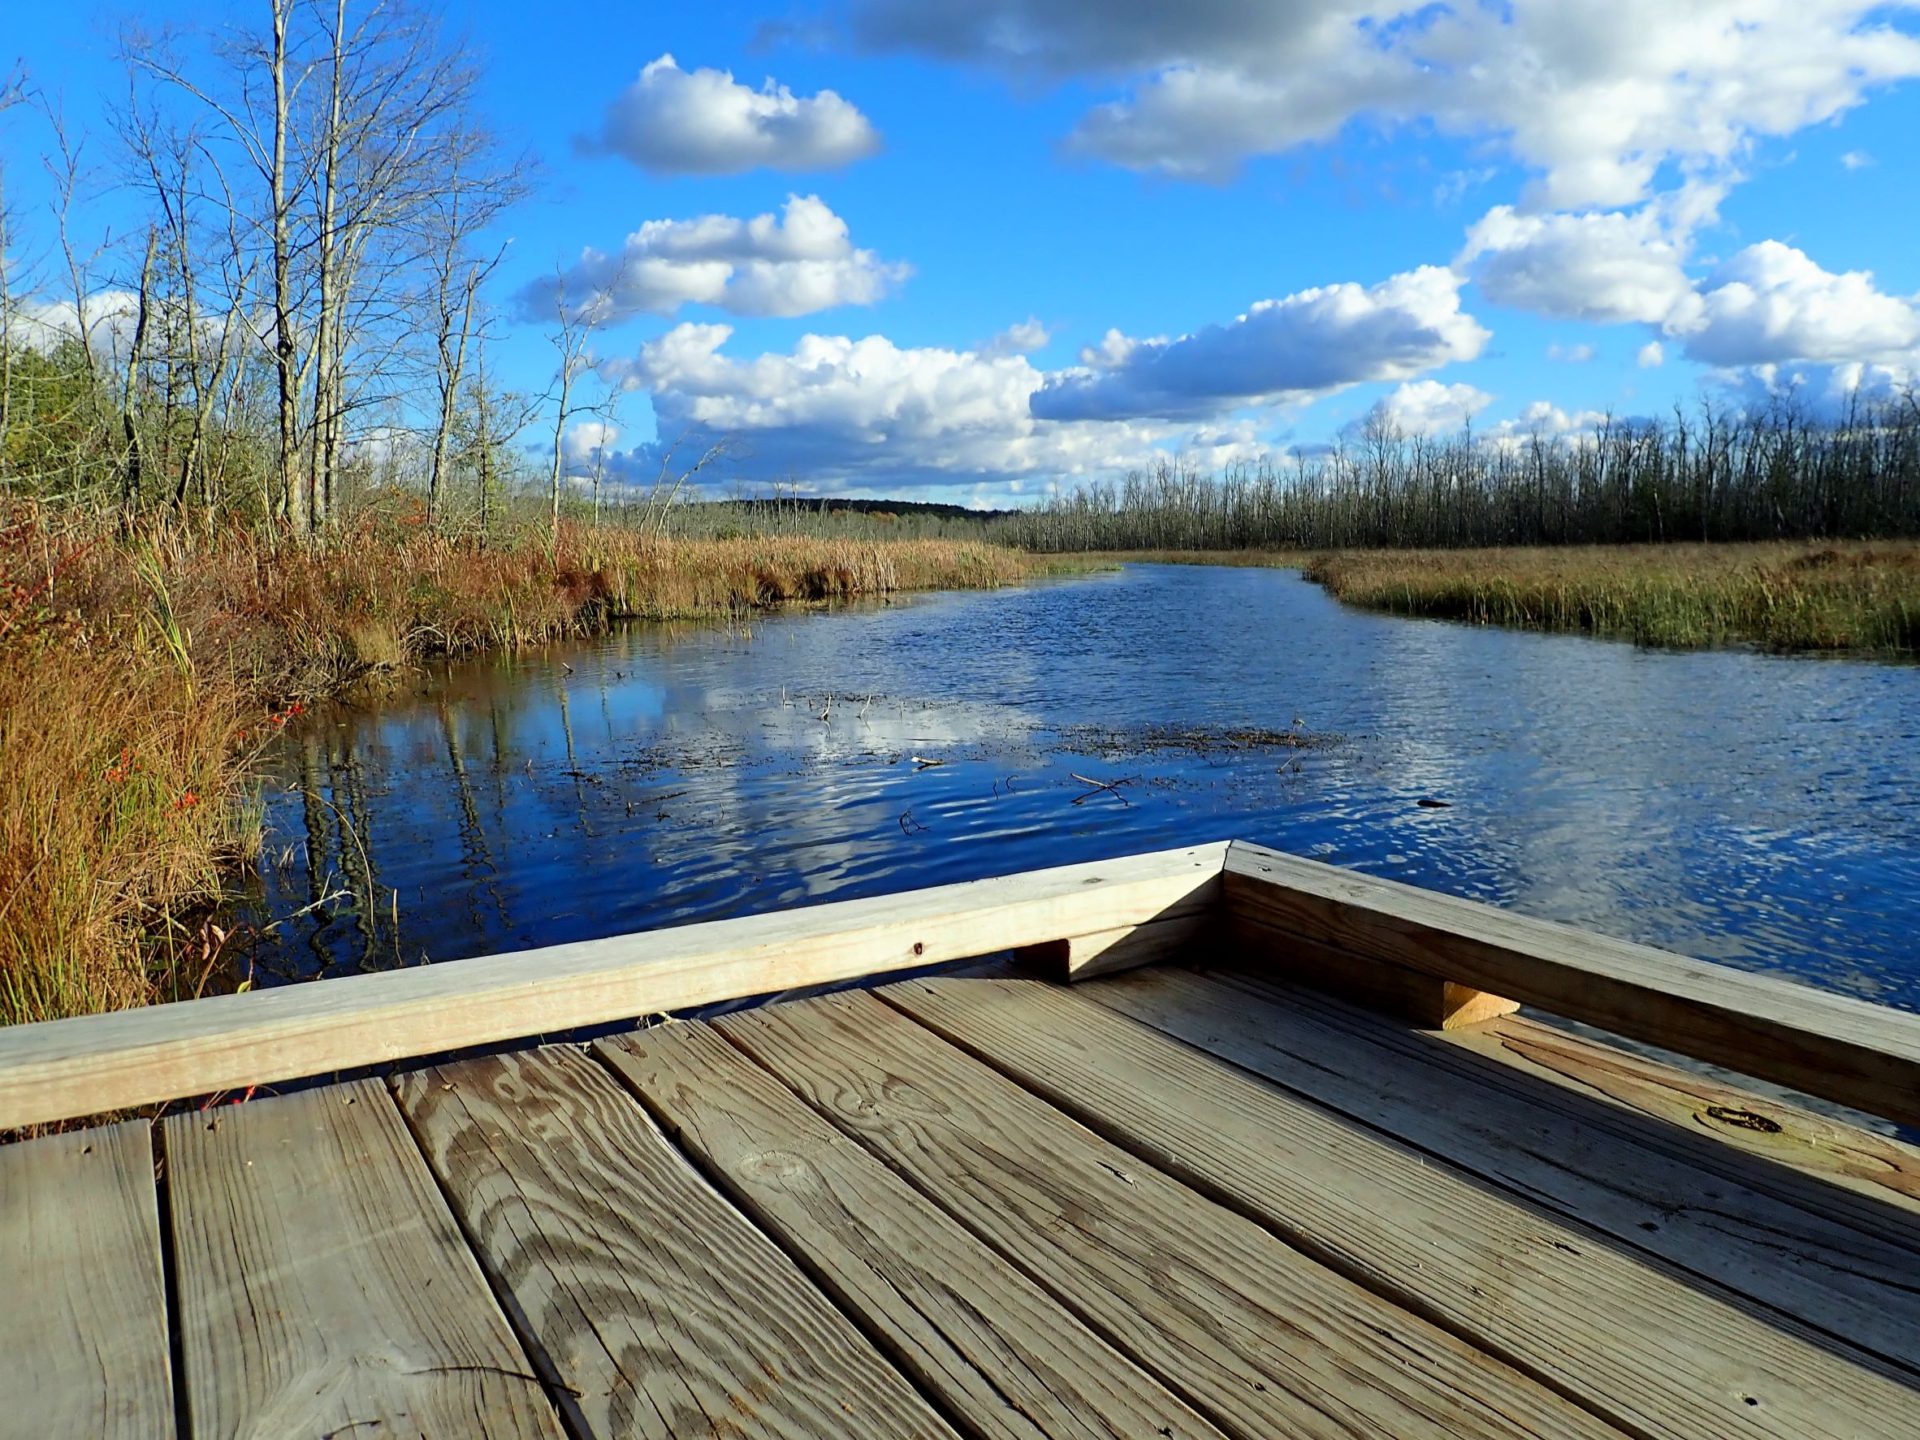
[
  {"x": 1851, "y": 596},
  {"x": 290, "y": 623},
  {"x": 141, "y": 674}
]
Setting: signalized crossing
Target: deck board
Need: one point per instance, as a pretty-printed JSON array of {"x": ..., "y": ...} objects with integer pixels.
[
  {"x": 1810, "y": 1039},
  {"x": 1798, "y": 1144},
  {"x": 1655, "y": 1353},
  {"x": 642, "y": 1290},
  {"x": 83, "y": 1311},
  {"x": 994, "y": 1349},
  {"x": 323, "y": 1286},
  {"x": 1261, "y": 1338},
  {"x": 1643, "y": 1183}
]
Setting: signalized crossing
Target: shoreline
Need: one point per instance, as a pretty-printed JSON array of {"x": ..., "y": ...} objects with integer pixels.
[
  {"x": 143, "y": 676},
  {"x": 1838, "y": 598}
]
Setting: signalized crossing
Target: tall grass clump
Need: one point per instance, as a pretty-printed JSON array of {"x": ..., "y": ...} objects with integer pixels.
[
  {"x": 1857, "y": 596},
  {"x": 141, "y": 670},
  {"x": 301, "y": 623},
  {"x": 120, "y": 799}
]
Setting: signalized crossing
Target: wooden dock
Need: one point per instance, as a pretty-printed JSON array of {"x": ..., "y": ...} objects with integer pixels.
[{"x": 1282, "y": 1160}]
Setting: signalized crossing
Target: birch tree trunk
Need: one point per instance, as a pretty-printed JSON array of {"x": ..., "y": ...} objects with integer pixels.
[{"x": 293, "y": 499}]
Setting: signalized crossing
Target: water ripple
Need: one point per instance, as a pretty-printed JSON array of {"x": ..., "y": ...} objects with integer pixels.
[{"x": 1755, "y": 810}]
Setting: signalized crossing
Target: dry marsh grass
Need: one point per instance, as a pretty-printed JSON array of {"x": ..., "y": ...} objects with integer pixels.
[
  {"x": 1843, "y": 596},
  {"x": 140, "y": 676}
]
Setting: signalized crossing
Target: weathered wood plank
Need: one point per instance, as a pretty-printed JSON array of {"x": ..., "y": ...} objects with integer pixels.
[
  {"x": 1799, "y": 1143},
  {"x": 1657, "y": 1355},
  {"x": 1411, "y": 995},
  {"x": 1838, "y": 1048},
  {"x": 1583, "y": 1158},
  {"x": 83, "y": 1308},
  {"x": 66, "y": 1068},
  {"x": 1261, "y": 1339},
  {"x": 996, "y": 1352},
  {"x": 323, "y": 1286},
  {"x": 642, "y": 1291}
]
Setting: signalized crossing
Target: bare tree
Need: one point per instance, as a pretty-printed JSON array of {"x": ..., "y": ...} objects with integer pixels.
[
  {"x": 486, "y": 427},
  {"x": 571, "y": 338},
  {"x": 456, "y": 288},
  {"x": 12, "y": 93},
  {"x": 281, "y": 193},
  {"x": 129, "y": 420},
  {"x": 478, "y": 189},
  {"x": 343, "y": 114},
  {"x": 668, "y": 484}
]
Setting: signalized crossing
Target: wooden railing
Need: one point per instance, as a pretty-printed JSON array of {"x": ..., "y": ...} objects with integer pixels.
[
  {"x": 1437, "y": 960},
  {"x": 63, "y": 1069},
  {"x": 1327, "y": 925}
]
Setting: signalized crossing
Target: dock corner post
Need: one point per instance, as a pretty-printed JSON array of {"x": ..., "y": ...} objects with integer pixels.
[
  {"x": 1102, "y": 952},
  {"x": 1425, "y": 1001}
]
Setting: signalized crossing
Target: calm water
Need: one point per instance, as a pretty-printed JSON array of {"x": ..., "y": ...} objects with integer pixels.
[{"x": 1749, "y": 809}]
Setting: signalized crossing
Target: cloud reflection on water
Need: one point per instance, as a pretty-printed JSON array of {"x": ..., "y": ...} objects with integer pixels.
[{"x": 1735, "y": 806}]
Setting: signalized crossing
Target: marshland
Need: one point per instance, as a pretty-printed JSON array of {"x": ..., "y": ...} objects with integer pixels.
[
  {"x": 959, "y": 718},
  {"x": 324, "y": 647},
  {"x": 233, "y": 754}
]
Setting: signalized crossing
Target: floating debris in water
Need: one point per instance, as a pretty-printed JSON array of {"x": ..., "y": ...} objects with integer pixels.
[{"x": 1112, "y": 743}]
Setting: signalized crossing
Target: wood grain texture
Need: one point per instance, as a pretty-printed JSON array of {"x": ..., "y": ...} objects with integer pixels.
[
  {"x": 1799, "y": 1143},
  {"x": 1655, "y": 1353},
  {"x": 83, "y": 1309},
  {"x": 1583, "y": 1158},
  {"x": 323, "y": 1286},
  {"x": 1410, "y": 995},
  {"x": 61, "y": 1069},
  {"x": 1263, "y": 1340},
  {"x": 1104, "y": 952},
  {"x": 1838, "y": 1048},
  {"x": 641, "y": 1290},
  {"x": 995, "y": 1351}
]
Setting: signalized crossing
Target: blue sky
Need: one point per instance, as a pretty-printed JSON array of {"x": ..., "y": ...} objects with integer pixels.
[{"x": 1040, "y": 240}]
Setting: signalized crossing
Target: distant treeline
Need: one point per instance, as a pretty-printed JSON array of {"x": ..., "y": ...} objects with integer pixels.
[
  {"x": 786, "y": 514},
  {"x": 1717, "y": 475}
]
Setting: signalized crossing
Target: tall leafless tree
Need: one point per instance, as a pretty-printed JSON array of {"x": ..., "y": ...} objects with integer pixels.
[
  {"x": 12, "y": 92},
  {"x": 479, "y": 187},
  {"x": 572, "y": 340},
  {"x": 342, "y": 115}
]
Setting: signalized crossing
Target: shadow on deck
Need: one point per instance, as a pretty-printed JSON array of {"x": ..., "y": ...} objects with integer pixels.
[{"x": 1198, "y": 1198}]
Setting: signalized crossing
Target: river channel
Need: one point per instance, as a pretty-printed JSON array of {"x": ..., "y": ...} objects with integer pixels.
[{"x": 1746, "y": 808}]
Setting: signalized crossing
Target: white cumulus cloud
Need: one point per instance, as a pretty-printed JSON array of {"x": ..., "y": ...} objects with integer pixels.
[
  {"x": 1291, "y": 350},
  {"x": 1768, "y": 304},
  {"x": 1605, "y": 266},
  {"x": 795, "y": 263},
  {"x": 704, "y": 122},
  {"x": 1771, "y": 303},
  {"x": 1594, "y": 95},
  {"x": 1427, "y": 407},
  {"x": 43, "y": 324},
  {"x": 1021, "y": 339},
  {"x": 1543, "y": 420},
  {"x": 838, "y": 409},
  {"x": 1830, "y": 391}
]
